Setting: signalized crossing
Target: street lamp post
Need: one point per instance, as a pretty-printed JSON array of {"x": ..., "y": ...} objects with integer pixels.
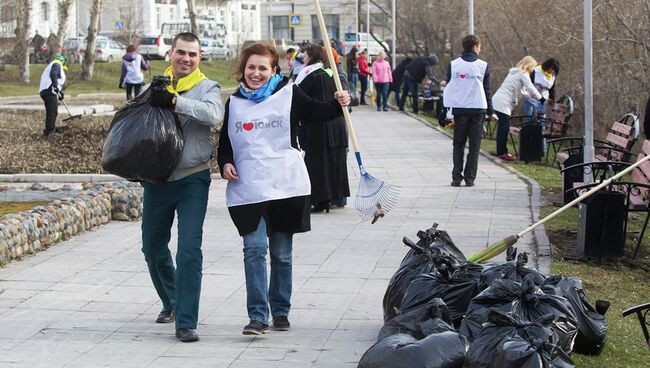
[
  {"x": 393, "y": 47},
  {"x": 589, "y": 89},
  {"x": 470, "y": 15}
]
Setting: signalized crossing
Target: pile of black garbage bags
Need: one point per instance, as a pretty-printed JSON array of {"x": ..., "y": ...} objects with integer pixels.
[
  {"x": 145, "y": 142},
  {"x": 442, "y": 311}
]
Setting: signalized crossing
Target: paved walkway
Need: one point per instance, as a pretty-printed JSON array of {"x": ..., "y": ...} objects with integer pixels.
[{"x": 89, "y": 302}]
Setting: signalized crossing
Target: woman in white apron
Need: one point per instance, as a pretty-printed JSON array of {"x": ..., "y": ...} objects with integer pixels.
[{"x": 268, "y": 184}]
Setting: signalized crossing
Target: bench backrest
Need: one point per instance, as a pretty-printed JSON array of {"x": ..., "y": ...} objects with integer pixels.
[
  {"x": 641, "y": 174},
  {"x": 620, "y": 136},
  {"x": 556, "y": 123}
]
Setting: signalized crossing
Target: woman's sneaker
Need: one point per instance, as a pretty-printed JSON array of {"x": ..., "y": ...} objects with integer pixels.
[
  {"x": 508, "y": 157},
  {"x": 281, "y": 323},
  {"x": 255, "y": 328}
]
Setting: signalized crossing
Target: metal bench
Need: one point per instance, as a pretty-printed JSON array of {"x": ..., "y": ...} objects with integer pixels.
[
  {"x": 641, "y": 312},
  {"x": 554, "y": 122},
  {"x": 637, "y": 191}
]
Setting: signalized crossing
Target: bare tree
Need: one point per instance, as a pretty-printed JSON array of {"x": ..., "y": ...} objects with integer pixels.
[
  {"x": 88, "y": 65},
  {"x": 190, "y": 10},
  {"x": 23, "y": 23},
  {"x": 65, "y": 6}
]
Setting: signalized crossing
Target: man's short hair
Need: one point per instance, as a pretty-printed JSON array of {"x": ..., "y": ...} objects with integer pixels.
[
  {"x": 187, "y": 37},
  {"x": 470, "y": 41}
]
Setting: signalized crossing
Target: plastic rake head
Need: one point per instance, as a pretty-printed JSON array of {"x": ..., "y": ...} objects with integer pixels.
[{"x": 375, "y": 197}]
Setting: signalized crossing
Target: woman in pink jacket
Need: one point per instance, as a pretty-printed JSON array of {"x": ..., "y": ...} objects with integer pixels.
[{"x": 382, "y": 75}]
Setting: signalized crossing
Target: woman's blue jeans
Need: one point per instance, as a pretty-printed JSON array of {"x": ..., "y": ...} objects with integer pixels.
[
  {"x": 354, "y": 79},
  {"x": 382, "y": 95},
  {"x": 259, "y": 293},
  {"x": 503, "y": 128}
]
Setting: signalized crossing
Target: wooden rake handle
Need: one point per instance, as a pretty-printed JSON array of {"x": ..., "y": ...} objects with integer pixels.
[{"x": 337, "y": 79}]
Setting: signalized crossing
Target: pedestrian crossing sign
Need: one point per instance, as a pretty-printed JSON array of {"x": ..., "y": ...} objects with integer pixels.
[
  {"x": 119, "y": 25},
  {"x": 295, "y": 20}
]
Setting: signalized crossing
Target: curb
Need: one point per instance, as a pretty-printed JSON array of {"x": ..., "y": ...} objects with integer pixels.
[
  {"x": 542, "y": 243},
  {"x": 66, "y": 178}
]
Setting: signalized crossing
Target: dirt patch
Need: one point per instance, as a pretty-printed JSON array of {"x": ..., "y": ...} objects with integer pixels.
[{"x": 76, "y": 148}]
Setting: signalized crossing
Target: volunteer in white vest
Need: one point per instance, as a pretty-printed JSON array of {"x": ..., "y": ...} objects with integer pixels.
[
  {"x": 51, "y": 91},
  {"x": 468, "y": 96},
  {"x": 268, "y": 185},
  {"x": 543, "y": 78},
  {"x": 132, "y": 66},
  {"x": 516, "y": 86}
]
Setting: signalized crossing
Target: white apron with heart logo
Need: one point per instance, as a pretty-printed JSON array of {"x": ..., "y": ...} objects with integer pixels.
[
  {"x": 268, "y": 167},
  {"x": 465, "y": 88}
]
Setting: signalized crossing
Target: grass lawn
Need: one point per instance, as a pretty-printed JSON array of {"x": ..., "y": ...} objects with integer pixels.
[
  {"x": 15, "y": 207},
  {"x": 613, "y": 280},
  {"x": 106, "y": 77}
]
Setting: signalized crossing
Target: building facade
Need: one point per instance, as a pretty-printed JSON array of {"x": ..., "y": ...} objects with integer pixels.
[{"x": 339, "y": 15}]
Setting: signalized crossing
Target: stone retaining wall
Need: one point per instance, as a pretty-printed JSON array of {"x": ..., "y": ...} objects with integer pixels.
[{"x": 34, "y": 230}]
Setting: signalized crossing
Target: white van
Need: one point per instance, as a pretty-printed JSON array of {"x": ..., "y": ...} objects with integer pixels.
[{"x": 360, "y": 41}]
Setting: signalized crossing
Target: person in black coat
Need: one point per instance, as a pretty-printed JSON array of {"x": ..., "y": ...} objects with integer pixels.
[
  {"x": 398, "y": 77},
  {"x": 325, "y": 145},
  {"x": 414, "y": 74},
  {"x": 268, "y": 185}
]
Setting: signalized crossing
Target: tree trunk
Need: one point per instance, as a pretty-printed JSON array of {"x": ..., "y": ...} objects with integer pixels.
[
  {"x": 190, "y": 11},
  {"x": 65, "y": 6},
  {"x": 89, "y": 59},
  {"x": 23, "y": 23}
]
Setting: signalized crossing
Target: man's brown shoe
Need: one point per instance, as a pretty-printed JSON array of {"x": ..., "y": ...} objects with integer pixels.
[{"x": 165, "y": 316}]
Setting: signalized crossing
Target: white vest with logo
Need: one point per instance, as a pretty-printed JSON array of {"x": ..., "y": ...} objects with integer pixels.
[
  {"x": 268, "y": 167},
  {"x": 542, "y": 84},
  {"x": 46, "y": 82},
  {"x": 133, "y": 71},
  {"x": 465, "y": 88}
]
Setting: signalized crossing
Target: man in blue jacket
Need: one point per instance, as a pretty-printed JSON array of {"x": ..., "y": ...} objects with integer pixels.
[
  {"x": 197, "y": 102},
  {"x": 468, "y": 96}
]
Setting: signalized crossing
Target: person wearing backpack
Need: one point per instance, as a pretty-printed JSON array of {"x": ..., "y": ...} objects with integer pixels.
[{"x": 132, "y": 66}]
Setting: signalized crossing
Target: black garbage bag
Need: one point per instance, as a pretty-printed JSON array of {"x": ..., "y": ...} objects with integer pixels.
[
  {"x": 592, "y": 326},
  {"x": 527, "y": 302},
  {"x": 442, "y": 350},
  {"x": 501, "y": 327},
  {"x": 515, "y": 271},
  {"x": 419, "y": 322},
  {"x": 144, "y": 142},
  {"x": 420, "y": 259},
  {"x": 455, "y": 284},
  {"x": 518, "y": 352}
]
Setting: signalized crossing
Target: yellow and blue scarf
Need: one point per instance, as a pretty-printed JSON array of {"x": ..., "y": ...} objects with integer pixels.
[{"x": 186, "y": 83}]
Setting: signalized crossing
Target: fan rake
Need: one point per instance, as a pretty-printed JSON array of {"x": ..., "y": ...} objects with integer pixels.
[{"x": 375, "y": 197}]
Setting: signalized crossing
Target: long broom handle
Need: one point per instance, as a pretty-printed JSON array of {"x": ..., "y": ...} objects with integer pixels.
[
  {"x": 583, "y": 196},
  {"x": 337, "y": 80}
]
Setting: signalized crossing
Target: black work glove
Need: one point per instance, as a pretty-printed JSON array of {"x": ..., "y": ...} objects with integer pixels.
[
  {"x": 542, "y": 100},
  {"x": 161, "y": 97},
  {"x": 61, "y": 95},
  {"x": 121, "y": 86}
]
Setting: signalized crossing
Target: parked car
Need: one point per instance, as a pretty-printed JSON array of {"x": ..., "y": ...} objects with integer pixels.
[
  {"x": 155, "y": 47},
  {"x": 105, "y": 49},
  {"x": 71, "y": 49},
  {"x": 213, "y": 49},
  {"x": 360, "y": 41}
]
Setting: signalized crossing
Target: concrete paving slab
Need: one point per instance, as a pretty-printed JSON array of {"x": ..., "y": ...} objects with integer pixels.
[{"x": 89, "y": 301}]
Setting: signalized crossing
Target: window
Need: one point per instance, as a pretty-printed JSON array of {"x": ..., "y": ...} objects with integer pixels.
[
  {"x": 45, "y": 11},
  {"x": 331, "y": 24},
  {"x": 281, "y": 27}
]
